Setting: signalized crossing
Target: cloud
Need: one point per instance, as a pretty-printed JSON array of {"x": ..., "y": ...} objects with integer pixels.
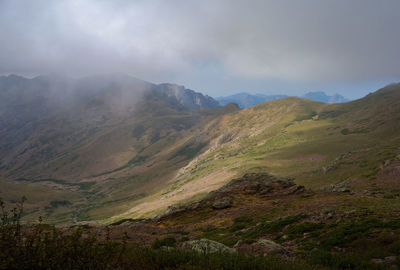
[{"x": 308, "y": 40}]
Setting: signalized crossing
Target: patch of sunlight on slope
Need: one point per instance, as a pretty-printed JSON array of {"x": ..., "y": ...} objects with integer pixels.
[{"x": 187, "y": 191}]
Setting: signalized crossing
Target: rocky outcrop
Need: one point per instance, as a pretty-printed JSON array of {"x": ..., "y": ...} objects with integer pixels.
[
  {"x": 389, "y": 260},
  {"x": 262, "y": 185},
  {"x": 224, "y": 202},
  {"x": 340, "y": 188},
  {"x": 269, "y": 247},
  {"x": 206, "y": 246},
  {"x": 263, "y": 247},
  {"x": 186, "y": 97}
]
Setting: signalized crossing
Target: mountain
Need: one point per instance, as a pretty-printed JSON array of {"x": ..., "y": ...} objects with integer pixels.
[
  {"x": 43, "y": 117},
  {"x": 79, "y": 140},
  {"x": 311, "y": 181},
  {"x": 110, "y": 147},
  {"x": 245, "y": 100},
  {"x": 188, "y": 98},
  {"x": 322, "y": 97}
]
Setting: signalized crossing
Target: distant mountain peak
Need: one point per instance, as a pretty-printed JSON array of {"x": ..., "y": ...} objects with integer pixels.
[
  {"x": 13, "y": 77},
  {"x": 323, "y": 97},
  {"x": 245, "y": 100},
  {"x": 95, "y": 85},
  {"x": 187, "y": 97}
]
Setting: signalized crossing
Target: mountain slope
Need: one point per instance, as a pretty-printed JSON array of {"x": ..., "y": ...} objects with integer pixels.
[
  {"x": 58, "y": 120},
  {"x": 106, "y": 138},
  {"x": 317, "y": 144},
  {"x": 113, "y": 154}
]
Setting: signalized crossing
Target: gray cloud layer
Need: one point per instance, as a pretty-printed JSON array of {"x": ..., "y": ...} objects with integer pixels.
[{"x": 310, "y": 40}]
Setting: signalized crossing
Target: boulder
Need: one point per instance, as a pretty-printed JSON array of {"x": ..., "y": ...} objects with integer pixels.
[
  {"x": 269, "y": 247},
  {"x": 222, "y": 203},
  {"x": 390, "y": 260},
  {"x": 206, "y": 246},
  {"x": 343, "y": 189},
  {"x": 296, "y": 189}
]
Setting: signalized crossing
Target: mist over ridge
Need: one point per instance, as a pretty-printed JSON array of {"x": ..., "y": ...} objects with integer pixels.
[{"x": 217, "y": 47}]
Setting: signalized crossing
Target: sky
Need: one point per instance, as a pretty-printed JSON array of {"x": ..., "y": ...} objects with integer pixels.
[{"x": 218, "y": 47}]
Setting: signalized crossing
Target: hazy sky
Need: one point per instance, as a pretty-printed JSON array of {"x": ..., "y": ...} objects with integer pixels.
[{"x": 217, "y": 47}]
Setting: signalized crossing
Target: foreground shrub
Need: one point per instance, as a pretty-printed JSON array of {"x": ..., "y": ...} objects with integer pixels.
[
  {"x": 43, "y": 246},
  {"x": 166, "y": 242}
]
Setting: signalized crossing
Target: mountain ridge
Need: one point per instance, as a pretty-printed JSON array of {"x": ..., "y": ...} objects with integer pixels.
[
  {"x": 245, "y": 100},
  {"x": 113, "y": 156}
]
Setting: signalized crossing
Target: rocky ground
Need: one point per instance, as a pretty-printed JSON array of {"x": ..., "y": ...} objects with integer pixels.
[{"x": 262, "y": 215}]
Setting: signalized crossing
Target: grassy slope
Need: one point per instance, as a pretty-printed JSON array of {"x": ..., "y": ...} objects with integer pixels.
[
  {"x": 133, "y": 167},
  {"x": 108, "y": 166},
  {"x": 41, "y": 198},
  {"x": 355, "y": 145},
  {"x": 316, "y": 144}
]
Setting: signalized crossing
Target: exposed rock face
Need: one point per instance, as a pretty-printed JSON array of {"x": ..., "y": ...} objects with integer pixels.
[
  {"x": 224, "y": 202},
  {"x": 186, "y": 97},
  {"x": 207, "y": 246},
  {"x": 227, "y": 137}
]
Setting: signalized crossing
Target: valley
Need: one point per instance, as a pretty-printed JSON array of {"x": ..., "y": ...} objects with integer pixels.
[
  {"x": 289, "y": 177},
  {"x": 154, "y": 152}
]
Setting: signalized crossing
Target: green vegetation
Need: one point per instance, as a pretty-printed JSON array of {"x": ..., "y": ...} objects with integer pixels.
[
  {"x": 119, "y": 222},
  {"x": 135, "y": 161},
  {"x": 136, "y": 167},
  {"x": 188, "y": 151},
  {"x": 82, "y": 185},
  {"x": 166, "y": 242},
  {"x": 342, "y": 261},
  {"x": 297, "y": 230},
  {"x": 45, "y": 247}
]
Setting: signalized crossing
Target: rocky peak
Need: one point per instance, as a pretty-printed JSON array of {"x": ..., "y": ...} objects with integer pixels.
[{"x": 186, "y": 97}]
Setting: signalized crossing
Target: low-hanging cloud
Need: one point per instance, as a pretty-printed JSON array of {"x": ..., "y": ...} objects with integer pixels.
[{"x": 336, "y": 40}]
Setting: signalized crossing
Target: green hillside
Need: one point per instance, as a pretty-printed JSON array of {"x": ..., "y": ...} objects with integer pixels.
[
  {"x": 352, "y": 146},
  {"x": 136, "y": 162}
]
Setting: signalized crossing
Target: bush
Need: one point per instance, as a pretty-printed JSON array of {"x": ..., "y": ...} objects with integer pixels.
[
  {"x": 166, "y": 242},
  {"x": 298, "y": 229},
  {"x": 342, "y": 261},
  {"x": 45, "y": 247},
  {"x": 272, "y": 226}
]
